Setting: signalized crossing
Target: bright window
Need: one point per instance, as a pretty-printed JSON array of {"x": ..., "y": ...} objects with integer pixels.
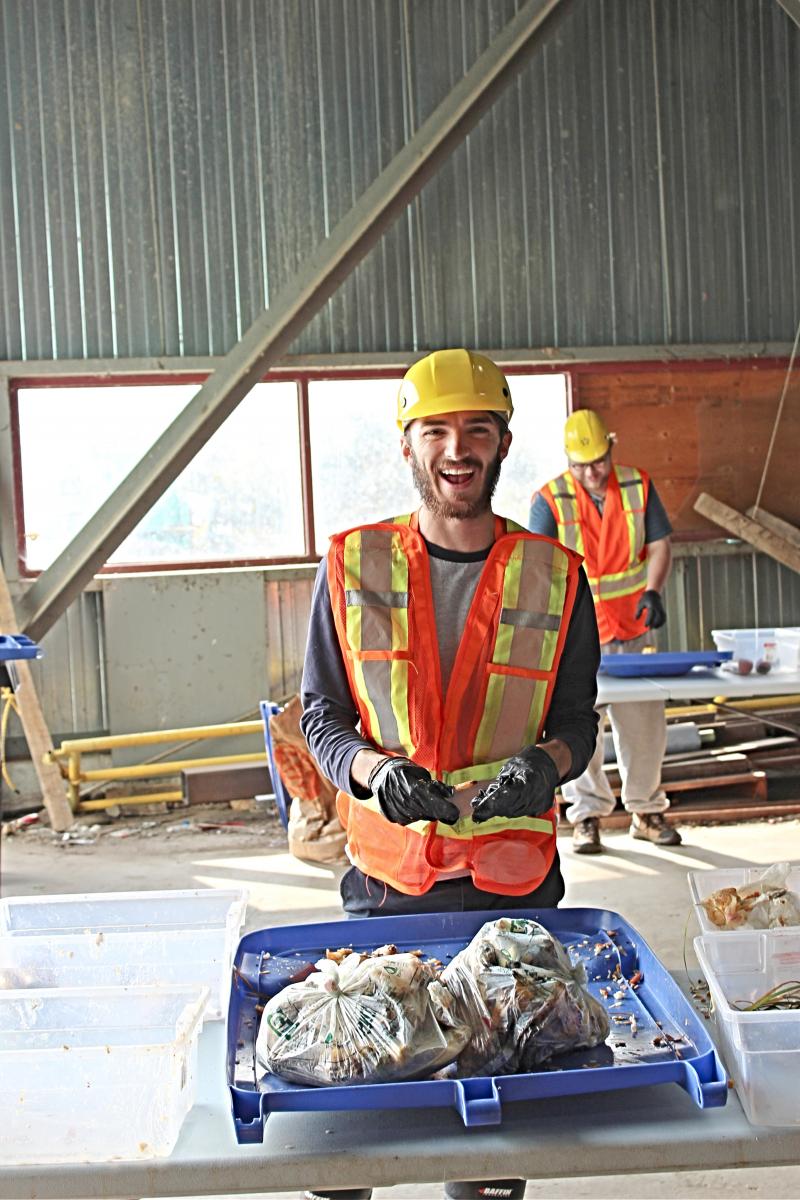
[
  {"x": 355, "y": 455},
  {"x": 537, "y": 448},
  {"x": 359, "y": 475},
  {"x": 242, "y": 497},
  {"x": 239, "y": 498}
]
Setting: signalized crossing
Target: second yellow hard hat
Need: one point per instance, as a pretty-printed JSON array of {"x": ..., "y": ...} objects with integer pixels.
[{"x": 586, "y": 437}]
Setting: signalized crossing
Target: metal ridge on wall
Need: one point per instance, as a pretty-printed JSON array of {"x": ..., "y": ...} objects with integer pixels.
[{"x": 166, "y": 166}]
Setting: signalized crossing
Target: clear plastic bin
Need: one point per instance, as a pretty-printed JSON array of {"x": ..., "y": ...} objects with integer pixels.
[
  {"x": 745, "y": 643},
  {"x": 703, "y": 883},
  {"x": 761, "y": 1049},
  {"x": 787, "y": 645},
  {"x": 114, "y": 938},
  {"x": 96, "y": 1074}
]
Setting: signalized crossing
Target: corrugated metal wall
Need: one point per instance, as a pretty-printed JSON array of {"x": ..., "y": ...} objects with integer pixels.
[{"x": 166, "y": 165}]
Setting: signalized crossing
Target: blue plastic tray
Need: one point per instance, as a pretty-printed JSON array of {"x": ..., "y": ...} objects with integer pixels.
[
  {"x": 268, "y": 959},
  {"x": 13, "y": 646},
  {"x": 677, "y": 662}
]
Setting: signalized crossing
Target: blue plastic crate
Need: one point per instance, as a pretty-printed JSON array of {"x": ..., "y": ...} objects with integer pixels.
[
  {"x": 269, "y": 959},
  {"x": 676, "y": 662},
  {"x": 17, "y": 645}
]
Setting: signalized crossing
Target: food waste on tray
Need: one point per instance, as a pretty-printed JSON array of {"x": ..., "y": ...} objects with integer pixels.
[
  {"x": 766, "y": 903},
  {"x": 510, "y": 1000}
]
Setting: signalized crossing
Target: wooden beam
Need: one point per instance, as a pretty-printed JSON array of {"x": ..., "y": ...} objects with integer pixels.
[
  {"x": 776, "y": 524},
  {"x": 34, "y": 726},
  {"x": 743, "y": 527}
]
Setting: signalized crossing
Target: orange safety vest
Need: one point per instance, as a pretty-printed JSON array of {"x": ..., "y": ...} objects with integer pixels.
[
  {"x": 496, "y": 703},
  {"x": 612, "y": 546}
]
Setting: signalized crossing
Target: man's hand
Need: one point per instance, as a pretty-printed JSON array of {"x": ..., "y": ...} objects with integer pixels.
[
  {"x": 524, "y": 787},
  {"x": 407, "y": 793},
  {"x": 652, "y": 605}
]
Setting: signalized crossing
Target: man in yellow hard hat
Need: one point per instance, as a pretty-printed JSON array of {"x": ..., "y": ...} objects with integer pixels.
[
  {"x": 450, "y": 673},
  {"x": 612, "y": 516}
]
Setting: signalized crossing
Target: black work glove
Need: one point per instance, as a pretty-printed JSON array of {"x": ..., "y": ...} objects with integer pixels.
[
  {"x": 651, "y": 604},
  {"x": 524, "y": 787},
  {"x": 408, "y": 793}
]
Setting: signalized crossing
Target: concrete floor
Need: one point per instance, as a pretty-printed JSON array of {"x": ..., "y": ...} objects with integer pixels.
[{"x": 647, "y": 886}]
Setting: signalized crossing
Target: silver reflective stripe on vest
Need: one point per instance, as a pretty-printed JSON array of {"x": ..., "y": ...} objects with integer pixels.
[
  {"x": 365, "y": 599},
  {"x": 513, "y": 616}
]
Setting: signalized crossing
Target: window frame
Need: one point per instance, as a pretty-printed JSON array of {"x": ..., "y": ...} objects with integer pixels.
[{"x": 301, "y": 377}]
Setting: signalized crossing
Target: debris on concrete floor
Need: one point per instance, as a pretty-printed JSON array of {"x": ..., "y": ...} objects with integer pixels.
[{"x": 263, "y": 826}]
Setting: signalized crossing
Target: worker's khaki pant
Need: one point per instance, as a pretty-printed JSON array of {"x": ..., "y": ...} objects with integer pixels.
[{"x": 640, "y": 738}]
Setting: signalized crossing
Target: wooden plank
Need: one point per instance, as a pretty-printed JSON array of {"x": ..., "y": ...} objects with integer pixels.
[
  {"x": 234, "y": 781},
  {"x": 34, "y": 726},
  {"x": 754, "y": 781},
  {"x": 776, "y": 524},
  {"x": 749, "y": 531}
]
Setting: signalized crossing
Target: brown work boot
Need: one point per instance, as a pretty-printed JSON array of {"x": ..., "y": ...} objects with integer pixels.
[
  {"x": 586, "y": 837},
  {"x": 652, "y": 827}
]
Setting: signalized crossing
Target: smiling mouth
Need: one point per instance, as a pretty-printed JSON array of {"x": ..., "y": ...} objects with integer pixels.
[{"x": 457, "y": 477}]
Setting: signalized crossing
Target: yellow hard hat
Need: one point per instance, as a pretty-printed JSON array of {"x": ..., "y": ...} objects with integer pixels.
[
  {"x": 450, "y": 381},
  {"x": 586, "y": 437}
]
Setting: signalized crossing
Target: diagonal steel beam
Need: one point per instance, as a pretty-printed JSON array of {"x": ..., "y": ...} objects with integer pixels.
[
  {"x": 792, "y": 7},
  {"x": 274, "y": 331}
]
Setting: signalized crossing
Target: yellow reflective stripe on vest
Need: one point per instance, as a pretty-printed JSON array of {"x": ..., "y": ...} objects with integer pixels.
[
  {"x": 526, "y": 640},
  {"x": 610, "y": 587},
  {"x": 399, "y": 685},
  {"x": 570, "y": 530},
  {"x": 465, "y": 828},
  {"x": 352, "y": 583},
  {"x": 383, "y": 609},
  {"x": 631, "y": 488},
  {"x": 474, "y": 774}
]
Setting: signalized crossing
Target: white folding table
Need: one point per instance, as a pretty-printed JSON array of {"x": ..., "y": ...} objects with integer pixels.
[
  {"x": 701, "y": 683},
  {"x": 604, "y": 1133}
]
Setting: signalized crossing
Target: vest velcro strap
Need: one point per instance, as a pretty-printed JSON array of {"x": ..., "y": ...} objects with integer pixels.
[
  {"x": 362, "y": 599},
  {"x": 529, "y": 620}
]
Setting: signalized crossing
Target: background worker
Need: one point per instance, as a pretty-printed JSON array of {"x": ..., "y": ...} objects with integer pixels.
[
  {"x": 612, "y": 515},
  {"x": 450, "y": 647}
]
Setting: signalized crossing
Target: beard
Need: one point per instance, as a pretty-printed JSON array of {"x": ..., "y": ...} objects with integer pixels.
[{"x": 458, "y": 510}]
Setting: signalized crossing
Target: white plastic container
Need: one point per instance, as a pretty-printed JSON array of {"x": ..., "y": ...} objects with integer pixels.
[
  {"x": 761, "y": 1049},
  {"x": 745, "y": 643},
  {"x": 703, "y": 883},
  {"x": 96, "y": 1074},
  {"x": 787, "y": 644},
  {"x": 130, "y": 938}
]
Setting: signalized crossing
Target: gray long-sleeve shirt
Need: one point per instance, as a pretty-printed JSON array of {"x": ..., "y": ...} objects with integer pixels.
[{"x": 330, "y": 717}]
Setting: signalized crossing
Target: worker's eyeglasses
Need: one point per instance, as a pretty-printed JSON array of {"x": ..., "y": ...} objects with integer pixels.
[{"x": 596, "y": 464}]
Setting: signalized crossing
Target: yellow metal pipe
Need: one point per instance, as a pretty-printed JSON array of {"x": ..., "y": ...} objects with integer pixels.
[
  {"x": 74, "y": 779},
  {"x": 152, "y": 798},
  {"x": 767, "y": 702},
  {"x": 145, "y": 770},
  {"x": 699, "y": 710},
  {"x": 148, "y": 738},
  {"x": 692, "y": 710}
]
